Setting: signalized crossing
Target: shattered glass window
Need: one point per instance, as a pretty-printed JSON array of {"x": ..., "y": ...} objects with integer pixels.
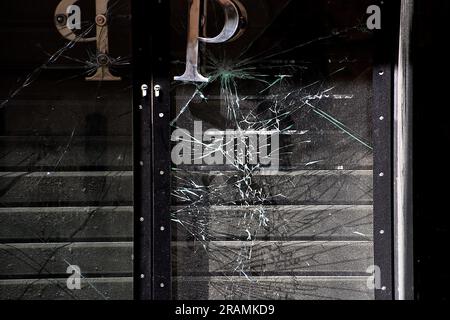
[
  {"x": 271, "y": 149},
  {"x": 272, "y": 179},
  {"x": 66, "y": 191}
]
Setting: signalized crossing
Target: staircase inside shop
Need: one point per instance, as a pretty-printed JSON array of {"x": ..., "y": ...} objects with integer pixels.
[{"x": 66, "y": 191}]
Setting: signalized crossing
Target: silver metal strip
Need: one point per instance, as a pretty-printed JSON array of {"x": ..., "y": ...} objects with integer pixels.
[{"x": 403, "y": 158}]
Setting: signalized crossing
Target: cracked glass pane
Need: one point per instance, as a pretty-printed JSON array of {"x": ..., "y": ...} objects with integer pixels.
[
  {"x": 272, "y": 179},
  {"x": 272, "y": 150},
  {"x": 66, "y": 192}
]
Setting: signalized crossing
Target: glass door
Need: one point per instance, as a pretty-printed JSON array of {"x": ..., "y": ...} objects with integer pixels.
[
  {"x": 275, "y": 152},
  {"x": 196, "y": 149},
  {"x": 66, "y": 161}
]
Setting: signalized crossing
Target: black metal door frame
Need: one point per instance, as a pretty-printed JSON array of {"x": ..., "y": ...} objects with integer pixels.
[
  {"x": 152, "y": 262},
  {"x": 152, "y": 271},
  {"x": 383, "y": 87},
  {"x": 386, "y": 41}
]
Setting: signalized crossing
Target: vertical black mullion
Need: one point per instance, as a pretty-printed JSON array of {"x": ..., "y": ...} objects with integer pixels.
[
  {"x": 143, "y": 165},
  {"x": 161, "y": 150},
  {"x": 383, "y": 85}
]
